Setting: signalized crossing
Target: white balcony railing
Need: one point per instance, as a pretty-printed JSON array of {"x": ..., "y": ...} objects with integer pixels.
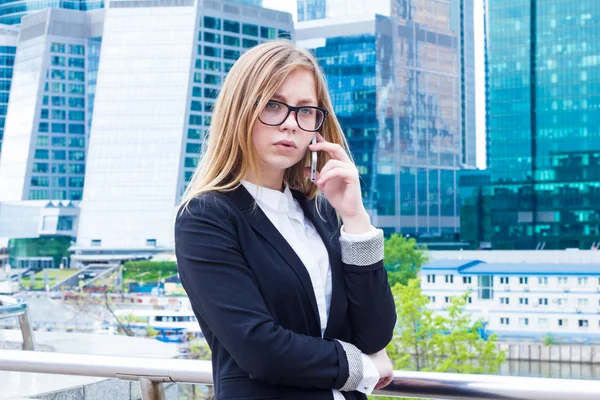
[{"x": 152, "y": 372}]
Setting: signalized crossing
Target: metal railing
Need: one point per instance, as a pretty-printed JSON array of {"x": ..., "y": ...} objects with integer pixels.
[
  {"x": 11, "y": 307},
  {"x": 153, "y": 372}
]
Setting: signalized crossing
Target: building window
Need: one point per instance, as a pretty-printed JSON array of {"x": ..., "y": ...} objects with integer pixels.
[
  {"x": 523, "y": 321},
  {"x": 212, "y": 37},
  {"x": 582, "y": 281},
  {"x": 268, "y": 33},
  {"x": 58, "y": 61},
  {"x": 504, "y": 280},
  {"x": 543, "y": 280},
  {"x": 212, "y": 23},
  {"x": 212, "y": 79},
  {"x": 65, "y": 223},
  {"x": 562, "y": 280},
  {"x": 447, "y": 299},
  {"x": 431, "y": 299},
  {"x": 563, "y": 322},
  {"x": 231, "y": 54},
  {"x": 543, "y": 322},
  {"x": 430, "y": 278},
  {"x": 76, "y": 62},
  {"x": 231, "y": 40},
  {"x": 248, "y": 43},
  {"x": 43, "y": 127},
  {"x": 504, "y": 300},
  {"x": 543, "y": 301},
  {"x": 469, "y": 300},
  {"x": 250, "y": 30},
  {"x": 449, "y": 278},
  {"x": 77, "y": 49},
  {"x": 582, "y": 302},
  {"x": 59, "y": 101},
  {"x": 523, "y": 300},
  {"x": 96, "y": 242},
  {"x": 486, "y": 287},
  {"x": 562, "y": 301},
  {"x": 196, "y": 105},
  {"x": 583, "y": 323},
  {"x": 523, "y": 280},
  {"x": 211, "y": 51},
  {"x": 504, "y": 321},
  {"x": 57, "y": 48},
  {"x": 231, "y": 26},
  {"x": 151, "y": 242},
  {"x": 467, "y": 280}
]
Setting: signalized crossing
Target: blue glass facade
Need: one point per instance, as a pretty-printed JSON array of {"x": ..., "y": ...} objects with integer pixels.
[
  {"x": 219, "y": 43},
  {"x": 309, "y": 10},
  {"x": 58, "y": 170},
  {"x": 7, "y": 61},
  {"x": 257, "y": 3},
  {"x": 543, "y": 113},
  {"x": 11, "y": 11},
  {"x": 397, "y": 94}
]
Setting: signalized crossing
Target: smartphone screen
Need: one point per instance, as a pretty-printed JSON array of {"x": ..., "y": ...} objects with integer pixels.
[{"x": 313, "y": 164}]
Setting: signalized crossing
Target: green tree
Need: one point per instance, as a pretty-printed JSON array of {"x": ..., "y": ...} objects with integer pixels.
[
  {"x": 430, "y": 342},
  {"x": 402, "y": 259}
]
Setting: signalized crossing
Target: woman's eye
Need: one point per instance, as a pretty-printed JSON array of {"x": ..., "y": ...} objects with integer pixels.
[
  {"x": 272, "y": 105},
  {"x": 306, "y": 111}
]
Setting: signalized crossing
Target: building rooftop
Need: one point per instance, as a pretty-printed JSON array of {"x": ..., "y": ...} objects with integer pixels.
[{"x": 477, "y": 267}]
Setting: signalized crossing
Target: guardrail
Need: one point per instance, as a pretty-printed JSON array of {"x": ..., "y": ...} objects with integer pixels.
[
  {"x": 11, "y": 307},
  {"x": 151, "y": 373}
]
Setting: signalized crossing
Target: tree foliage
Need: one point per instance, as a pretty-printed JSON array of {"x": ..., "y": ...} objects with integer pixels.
[
  {"x": 402, "y": 259},
  {"x": 440, "y": 342}
]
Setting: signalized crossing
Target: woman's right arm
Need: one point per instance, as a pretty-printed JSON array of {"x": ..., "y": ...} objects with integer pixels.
[{"x": 224, "y": 292}]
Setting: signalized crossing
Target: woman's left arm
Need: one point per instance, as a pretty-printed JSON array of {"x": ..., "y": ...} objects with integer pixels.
[{"x": 371, "y": 308}]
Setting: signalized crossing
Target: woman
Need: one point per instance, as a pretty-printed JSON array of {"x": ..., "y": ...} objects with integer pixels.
[{"x": 288, "y": 285}]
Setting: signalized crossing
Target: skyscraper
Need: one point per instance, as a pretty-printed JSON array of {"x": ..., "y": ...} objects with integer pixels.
[
  {"x": 309, "y": 10},
  {"x": 47, "y": 125},
  {"x": 403, "y": 89},
  {"x": 8, "y": 48},
  {"x": 161, "y": 68},
  {"x": 543, "y": 118},
  {"x": 11, "y": 13}
]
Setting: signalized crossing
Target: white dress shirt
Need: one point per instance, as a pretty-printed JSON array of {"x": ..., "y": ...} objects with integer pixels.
[{"x": 287, "y": 216}]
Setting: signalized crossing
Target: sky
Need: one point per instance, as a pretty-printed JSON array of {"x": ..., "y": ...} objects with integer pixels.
[{"x": 290, "y": 6}]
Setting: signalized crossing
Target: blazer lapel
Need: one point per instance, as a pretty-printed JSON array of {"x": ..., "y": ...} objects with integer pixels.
[
  {"x": 263, "y": 226},
  {"x": 330, "y": 237}
]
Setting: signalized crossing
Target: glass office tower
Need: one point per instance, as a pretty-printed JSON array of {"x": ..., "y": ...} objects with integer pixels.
[
  {"x": 402, "y": 88},
  {"x": 543, "y": 118},
  {"x": 8, "y": 48},
  {"x": 11, "y": 12}
]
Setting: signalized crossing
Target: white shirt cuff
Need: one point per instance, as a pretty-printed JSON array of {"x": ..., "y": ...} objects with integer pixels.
[
  {"x": 350, "y": 237},
  {"x": 370, "y": 376}
]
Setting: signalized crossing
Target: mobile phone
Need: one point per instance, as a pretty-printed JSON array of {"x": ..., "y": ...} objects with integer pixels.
[{"x": 313, "y": 164}]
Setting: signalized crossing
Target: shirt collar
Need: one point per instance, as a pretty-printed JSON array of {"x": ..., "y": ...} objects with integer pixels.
[{"x": 275, "y": 201}]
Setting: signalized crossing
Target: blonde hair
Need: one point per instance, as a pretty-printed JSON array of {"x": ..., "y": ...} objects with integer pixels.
[{"x": 228, "y": 154}]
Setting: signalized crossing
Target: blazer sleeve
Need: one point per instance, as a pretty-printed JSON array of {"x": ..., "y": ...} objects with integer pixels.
[
  {"x": 223, "y": 290},
  {"x": 371, "y": 307}
]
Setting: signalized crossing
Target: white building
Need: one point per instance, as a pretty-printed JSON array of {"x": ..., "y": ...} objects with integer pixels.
[
  {"x": 161, "y": 67},
  {"x": 521, "y": 300}
]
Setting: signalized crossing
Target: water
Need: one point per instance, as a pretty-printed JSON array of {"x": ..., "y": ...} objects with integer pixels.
[{"x": 544, "y": 369}]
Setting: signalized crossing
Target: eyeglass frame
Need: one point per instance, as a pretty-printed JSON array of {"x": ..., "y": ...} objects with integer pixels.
[{"x": 295, "y": 110}]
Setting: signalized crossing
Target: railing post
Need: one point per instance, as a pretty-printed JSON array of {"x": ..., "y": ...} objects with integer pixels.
[
  {"x": 151, "y": 390},
  {"x": 27, "y": 331}
]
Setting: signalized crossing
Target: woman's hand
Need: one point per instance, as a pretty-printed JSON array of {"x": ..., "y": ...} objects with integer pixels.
[
  {"x": 339, "y": 182},
  {"x": 384, "y": 367}
]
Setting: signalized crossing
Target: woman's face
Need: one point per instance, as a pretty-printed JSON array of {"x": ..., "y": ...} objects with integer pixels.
[{"x": 280, "y": 147}]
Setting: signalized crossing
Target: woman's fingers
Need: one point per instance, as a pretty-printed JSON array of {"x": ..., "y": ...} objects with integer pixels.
[
  {"x": 331, "y": 164},
  {"x": 335, "y": 151},
  {"x": 337, "y": 172}
]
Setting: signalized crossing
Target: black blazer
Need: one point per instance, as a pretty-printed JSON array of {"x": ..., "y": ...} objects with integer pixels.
[{"x": 255, "y": 303}]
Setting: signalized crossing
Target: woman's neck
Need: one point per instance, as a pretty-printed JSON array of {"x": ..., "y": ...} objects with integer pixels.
[{"x": 273, "y": 180}]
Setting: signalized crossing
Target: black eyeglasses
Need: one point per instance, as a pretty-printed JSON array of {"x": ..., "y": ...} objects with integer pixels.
[{"x": 308, "y": 118}]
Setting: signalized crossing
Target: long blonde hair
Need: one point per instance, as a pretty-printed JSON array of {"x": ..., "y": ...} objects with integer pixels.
[{"x": 228, "y": 153}]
